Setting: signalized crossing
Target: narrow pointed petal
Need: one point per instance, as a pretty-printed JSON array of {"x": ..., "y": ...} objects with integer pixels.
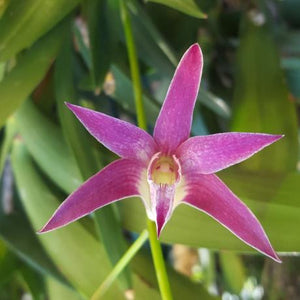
[
  {"x": 210, "y": 195},
  {"x": 173, "y": 125},
  {"x": 118, "y": 180},
  {"x": 212, "y": 153},
  {"x": 123, "y": 138}
]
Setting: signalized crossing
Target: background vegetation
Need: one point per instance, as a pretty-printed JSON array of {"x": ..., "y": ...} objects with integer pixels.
[{"x": 53, "y": 51}]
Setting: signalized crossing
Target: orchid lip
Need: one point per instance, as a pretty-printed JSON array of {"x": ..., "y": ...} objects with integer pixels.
[{"x": 163, "y": 176}]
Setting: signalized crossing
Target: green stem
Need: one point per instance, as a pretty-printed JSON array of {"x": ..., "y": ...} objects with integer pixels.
[
  {"x": 159, "y": 262},
  {"x": 134, "y": 66},
  {"x": 157, "y": 255},
  {"x": 120, "y": 266}
]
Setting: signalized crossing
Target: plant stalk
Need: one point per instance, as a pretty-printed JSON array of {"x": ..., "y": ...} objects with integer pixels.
[
  {"x": 159, "y": 264},
  {"x": 120, "y": 266}
]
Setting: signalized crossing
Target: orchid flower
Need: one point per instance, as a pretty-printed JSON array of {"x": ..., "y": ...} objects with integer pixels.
[{"x": 169, "y": 168}]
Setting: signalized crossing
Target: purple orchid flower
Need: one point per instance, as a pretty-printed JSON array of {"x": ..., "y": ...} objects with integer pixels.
[{"x": 169, "y": 168}]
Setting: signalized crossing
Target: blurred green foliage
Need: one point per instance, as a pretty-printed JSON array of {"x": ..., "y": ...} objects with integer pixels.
[{"x": 71, "y": 50}]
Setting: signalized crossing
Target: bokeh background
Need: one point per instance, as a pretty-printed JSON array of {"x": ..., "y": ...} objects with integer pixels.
[{"x": 53, "y": 51}]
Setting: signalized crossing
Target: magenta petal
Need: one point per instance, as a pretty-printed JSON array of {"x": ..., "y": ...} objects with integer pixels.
[
  {"x": 174, "y": 121},
  {"x": 209, "y": 194},
  {"x": 163, "y": 195},
  {"x": 121, "y": 137},
  {"x": 118, "y": 180},
  {"x": 212, "y": 153}
]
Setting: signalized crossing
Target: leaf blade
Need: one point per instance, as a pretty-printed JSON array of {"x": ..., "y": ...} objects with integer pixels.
[
  {"x": 188, "y": 7},
  {"x": 261, "y": 102},
  {"x": 26, "y": 21},
  {"x": 30, "y": 69},
  {"x": 51, "y": 153}
]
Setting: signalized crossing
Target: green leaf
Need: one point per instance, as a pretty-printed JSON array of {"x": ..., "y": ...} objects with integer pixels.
[
  {"x": 30, "y": 69},
  {"x": 154, "y": 51},
  {"x": 261, "y": 100},
  {"x": 152, "y": 47},
  {"x": 3, "y": 6},
  {"x": 48, "y": 147},
  {"x": 58, "y": 291},
  {"x": 34, "y": 282},
  {"x": 143, "y": 291},
  {"x": 78, "y": 139},
  {"x": 292, "y": 71},
  {"x": 83, "y": 50},
  {"x": 108, "y": 224},
  {"x": 2, "y": 70},
  {"x": 188, "y": 7},
  {"x": 26, "y": 21},
  {"x": 103, "y": 24},
  {"x": 8, "y": 264},
  {"x": 265, "y": 187},
  {"x": 79, "y": 256},
  {"x": 216, "y": 104},
  {"x": 233, "y": 271},
  {"x": 16, "y": 232},
  {"x": 10, "y": 132},
  {"x": 124, "y": 95},
  {"x": 278, "y": 213}
]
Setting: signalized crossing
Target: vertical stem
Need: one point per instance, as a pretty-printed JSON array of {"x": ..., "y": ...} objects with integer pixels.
[
  {"x": 157, "y": 255},
  {"x": 159, "y": 262},
  {"x": 134, "y": 67}
]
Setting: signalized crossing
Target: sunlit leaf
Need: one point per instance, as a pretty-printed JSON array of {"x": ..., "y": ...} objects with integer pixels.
[
  {"x": 233, "y": 271},
  {"x": 3, "y": 6},
  {"x": 26, "y": 21},
  {"x": 58, "y": 291},
  {"x": 30, "y": 69},
  {"x": 2, "y": 70},
  {"x": 186, "y": 6},
  {"x": 262, "y": 103},
  {"x": 46, "y": 144}
]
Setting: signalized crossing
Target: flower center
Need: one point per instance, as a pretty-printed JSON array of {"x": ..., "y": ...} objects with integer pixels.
[{"x": 164, "y": 169}]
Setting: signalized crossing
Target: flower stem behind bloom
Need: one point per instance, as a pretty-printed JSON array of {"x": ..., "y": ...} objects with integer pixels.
[{"x": 157, "y": 255}]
